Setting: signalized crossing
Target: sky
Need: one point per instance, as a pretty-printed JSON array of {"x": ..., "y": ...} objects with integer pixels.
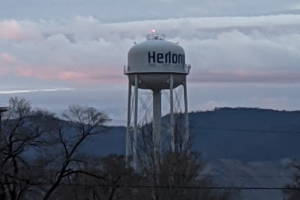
[{"x": 56, "y": 53}]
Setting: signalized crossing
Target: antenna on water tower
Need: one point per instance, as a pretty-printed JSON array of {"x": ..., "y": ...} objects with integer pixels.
[{"x": 156, "y": 65}]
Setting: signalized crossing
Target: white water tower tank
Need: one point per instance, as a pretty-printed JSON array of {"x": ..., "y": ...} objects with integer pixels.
[{"x": 154, "y": 60}]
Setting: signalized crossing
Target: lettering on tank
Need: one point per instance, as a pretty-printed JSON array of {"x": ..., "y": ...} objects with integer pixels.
[{"x": 167, "y": 58}]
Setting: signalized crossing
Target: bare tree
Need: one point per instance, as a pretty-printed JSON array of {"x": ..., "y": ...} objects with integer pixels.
[
  {"x": 23, "y": 130},
  {"x": 111, "y": 180},
  {"x": 292, "y": 191},
  {"x": 44, "y": 158},
  {"x": 42, "y": 152},
  {"x": 82, "y": 124},
  {"x": 180, "y": 173}
]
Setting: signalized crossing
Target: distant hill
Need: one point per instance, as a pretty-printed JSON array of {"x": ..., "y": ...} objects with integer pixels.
[
  {"x": 245, "y": 134},
  {"x": 244, "y": 147}
]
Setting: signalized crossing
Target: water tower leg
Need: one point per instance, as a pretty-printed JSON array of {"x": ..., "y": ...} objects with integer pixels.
[
  {"x": 172, "y": 125},
  {"x": 186, "y": 118},
  {"x": 156, "y": 126},
  {"x": 135, "y": 132},
  {"x": 128, "y": 135}
]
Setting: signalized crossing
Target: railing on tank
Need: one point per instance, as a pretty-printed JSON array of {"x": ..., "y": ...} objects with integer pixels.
[
  {"x": 155, "y": 36},
  {"x": 185, "y": 70}
]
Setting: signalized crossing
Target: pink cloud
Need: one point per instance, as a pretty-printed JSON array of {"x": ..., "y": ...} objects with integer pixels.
[
  {"x": 13, "y": 30},
  {"x": 91, "y": 75},
  {"x": 84, "y": 75},
  {"x": 8, "y": 58},
  {"x": 7, "y": 63},
  {"x": 4, "y": 71},
  {"x": 10, "y": 30}
]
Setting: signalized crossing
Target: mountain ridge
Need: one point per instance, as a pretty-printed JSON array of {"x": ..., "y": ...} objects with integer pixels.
[{"x": 246, "y": 134}]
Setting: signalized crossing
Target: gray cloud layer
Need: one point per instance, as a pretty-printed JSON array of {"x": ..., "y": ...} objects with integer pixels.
[
  {"x": 232, "y": 46},
  {"x": 132, "y": 10},
  {"x": 83, "y": 49}
]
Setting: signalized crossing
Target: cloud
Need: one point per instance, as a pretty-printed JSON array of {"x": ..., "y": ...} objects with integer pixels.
[
  {"x": 87, "y": 76},
  {"x": 8, "y": 58},
  {"x": 243, "y": 53},
  {"x": 130, "y": 10},
  {"x": 10, "y": 30},
  {"x": 280, "y": 102},
  {"x": 244, "y": 77},
  {"x": 33, "y": 90},
  {"x": 207, "y": 23},
  {"x": 14, "y": 30},
  {"x": 261, "y": 49},
  {"x": 207, "y": 96}
]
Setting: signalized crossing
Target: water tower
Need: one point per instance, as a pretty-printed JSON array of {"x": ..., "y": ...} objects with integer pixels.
[{"x": 156, "y": 65}]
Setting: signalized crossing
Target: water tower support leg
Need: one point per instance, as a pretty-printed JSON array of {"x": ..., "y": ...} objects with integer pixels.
[
  {"x": 128, "y": 135},
  {"x": 172, "y": 125},
  {"x": 186, "y": 117},
  {"x": 135, "y": 132},
  {"x": 156, "y": 126}
]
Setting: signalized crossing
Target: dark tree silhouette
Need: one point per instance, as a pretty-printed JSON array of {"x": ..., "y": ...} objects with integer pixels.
[
  {"x": 22, "y": 133},
  {"x": 43, "y": 158},
  {"x": 292, "y": 191},
  {"x": 82, "y": 124},
  {"x": 41, "y": 152},
  {"x": 176, "y": 171}
]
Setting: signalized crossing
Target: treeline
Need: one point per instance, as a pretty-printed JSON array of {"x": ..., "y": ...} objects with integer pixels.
[{"x": 42, "y": 158}]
